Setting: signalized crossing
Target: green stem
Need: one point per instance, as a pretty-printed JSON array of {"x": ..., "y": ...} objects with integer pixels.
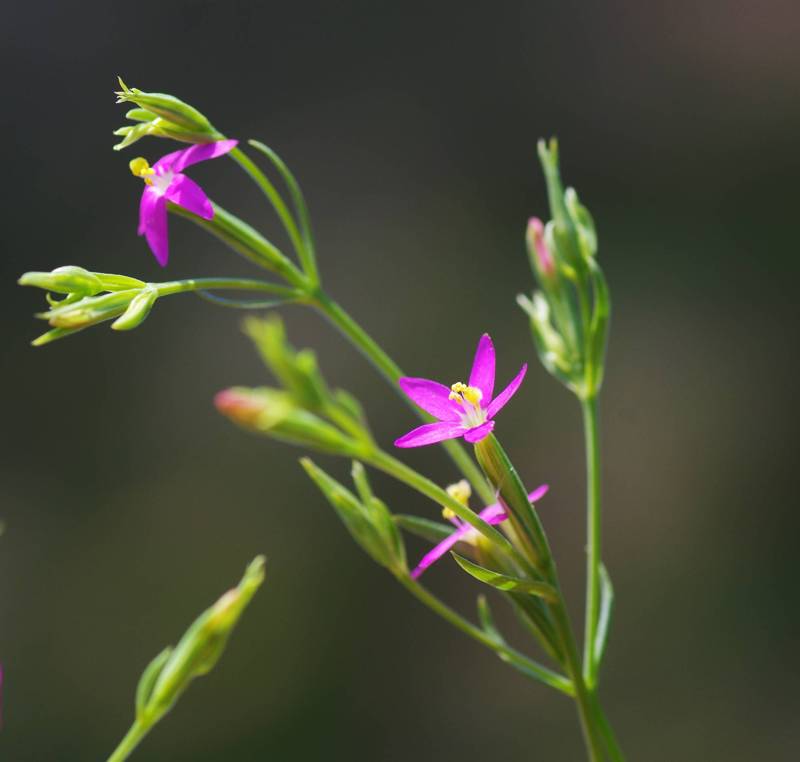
[
  {"x": 391, "y": 372},
  {"x": 593, "y": 556},
  {"x": 131, "y": 740},
  {"x": 612, "y": 745},
  {"x": 278, "y": 204},
  {"x": 233, "y": 284},
  {"x": 512, "y": 656}
]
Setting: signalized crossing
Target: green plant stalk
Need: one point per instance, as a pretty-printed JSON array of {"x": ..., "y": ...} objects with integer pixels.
[
  {"x": 593, "y": 539},
  {"x": 501, "y": 472},
  {"x": 512, "y": 656},
  {"x": 221, "y": 284},
  {"x": 131, "y": 740},
  {"x": 274, "y": 198}
]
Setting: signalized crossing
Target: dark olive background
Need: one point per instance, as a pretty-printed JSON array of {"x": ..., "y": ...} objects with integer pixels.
[{"x": 130, "y": 504}]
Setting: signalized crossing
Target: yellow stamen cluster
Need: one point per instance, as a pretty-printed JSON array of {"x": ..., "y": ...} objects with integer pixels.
[
  {"x": 460, "y": 491},
  {"x": 141, "y": 168},
  {"x": 460, "y": 392}
]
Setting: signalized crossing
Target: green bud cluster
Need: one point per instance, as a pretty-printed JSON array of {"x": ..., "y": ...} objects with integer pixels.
[
  {"x": 90, "y": 298},
  {"x": 569, "y": 314},
  {"x": 367, "y": 518},
  {"x": 304, "y": 411},
  {"x": 169, "y": 674},
  {"x": 162, "y": 116}
]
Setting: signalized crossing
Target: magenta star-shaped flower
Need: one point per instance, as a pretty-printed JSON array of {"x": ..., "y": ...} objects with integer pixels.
[
  {"x": 463, "y": 410},
  {"x": 165, "y": 181}
]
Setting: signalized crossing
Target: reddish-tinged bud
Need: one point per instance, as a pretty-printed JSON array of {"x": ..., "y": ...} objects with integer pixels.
[
  {"x": 541, "y": 257},
  {"x": 240, "y": 406}
]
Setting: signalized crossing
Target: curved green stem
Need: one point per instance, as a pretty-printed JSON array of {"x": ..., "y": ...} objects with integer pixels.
[
  {"x": 308, "y": 257},
  {"x": 593, "y": 556},
  {"x": 277, "y": 202},
  {"x": 512, "y": 656},
  {"x": 131, "y": 740}
]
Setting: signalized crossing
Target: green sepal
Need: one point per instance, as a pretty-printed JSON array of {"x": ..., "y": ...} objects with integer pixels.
[
  {"x": 54, "y": 335},
  {"x": 137, "y": 311},
  {"x": 351, "y": 406},
  {"x": 433, "y": 531},
  {"x": 148, "y": 680},
  {"x": 604, "y": 616},
  {"x": 601, "y": 314},
  {"x": 487, "y": 620},
  {"x": 140, "y": 115},
  {"x": 369, "y": 522},
  {"x": 505, "y": 582},
  {"x": 584, "y": 224},
  {"x": 298, "y": 372}
]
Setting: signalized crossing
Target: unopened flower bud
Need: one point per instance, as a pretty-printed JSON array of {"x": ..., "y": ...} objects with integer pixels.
[
  {"x": 90, "y": 310},
  {"x": 541, "y": 257},
  {"x": 275, "y": 413},
  {"x": 65, "y": 280},
  {"x": 137, "y": 310},
  {"x": 198, "y": 650},
  {"x": 166, "y": 106}
]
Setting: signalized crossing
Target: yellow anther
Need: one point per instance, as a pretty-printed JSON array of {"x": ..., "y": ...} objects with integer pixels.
[
  {"x": 460, "y": 491},
  {"x": 460, "y": 392},
  {"x": 141, "y": 168},
  {"x": 448, "y": 514}
]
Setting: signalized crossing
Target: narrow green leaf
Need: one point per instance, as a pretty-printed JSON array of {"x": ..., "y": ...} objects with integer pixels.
[
  {"x": 148, "y": 679},
  {"x": 604, "y": 617},
  {"x": 487, "y": 620},
  {"x": 505, "y": 582},
  {"x": 433, "y": 531}
]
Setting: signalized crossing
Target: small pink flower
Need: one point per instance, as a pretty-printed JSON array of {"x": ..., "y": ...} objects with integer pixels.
[
  {"x": 165, "y": 181},
  {"x": 493, "y": 514},
  {"x": 464, "y": 410}
]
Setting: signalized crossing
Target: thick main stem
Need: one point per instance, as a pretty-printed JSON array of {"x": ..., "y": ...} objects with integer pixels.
[
  {"x": 593, "y": 539},
  {"x": 391, "y": 372}
]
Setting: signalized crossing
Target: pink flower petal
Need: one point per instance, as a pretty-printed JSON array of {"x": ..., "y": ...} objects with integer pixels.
[
  {"x": 479, "y": 432},
  {"x": 538, "y": 493},
  {"x": 431, "y": 433},
  {"x": 177, "y": 161},
  {"x": 501, "y": 399},
  {"x": 153, "y": 223},
  {"x": 482, "y": 374},
  {"x": 185, "y": 192},
  {"x": 432, "y": 397}
]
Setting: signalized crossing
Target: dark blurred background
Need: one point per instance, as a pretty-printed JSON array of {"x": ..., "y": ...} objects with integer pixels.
[{"x": 130, "y": 504}]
